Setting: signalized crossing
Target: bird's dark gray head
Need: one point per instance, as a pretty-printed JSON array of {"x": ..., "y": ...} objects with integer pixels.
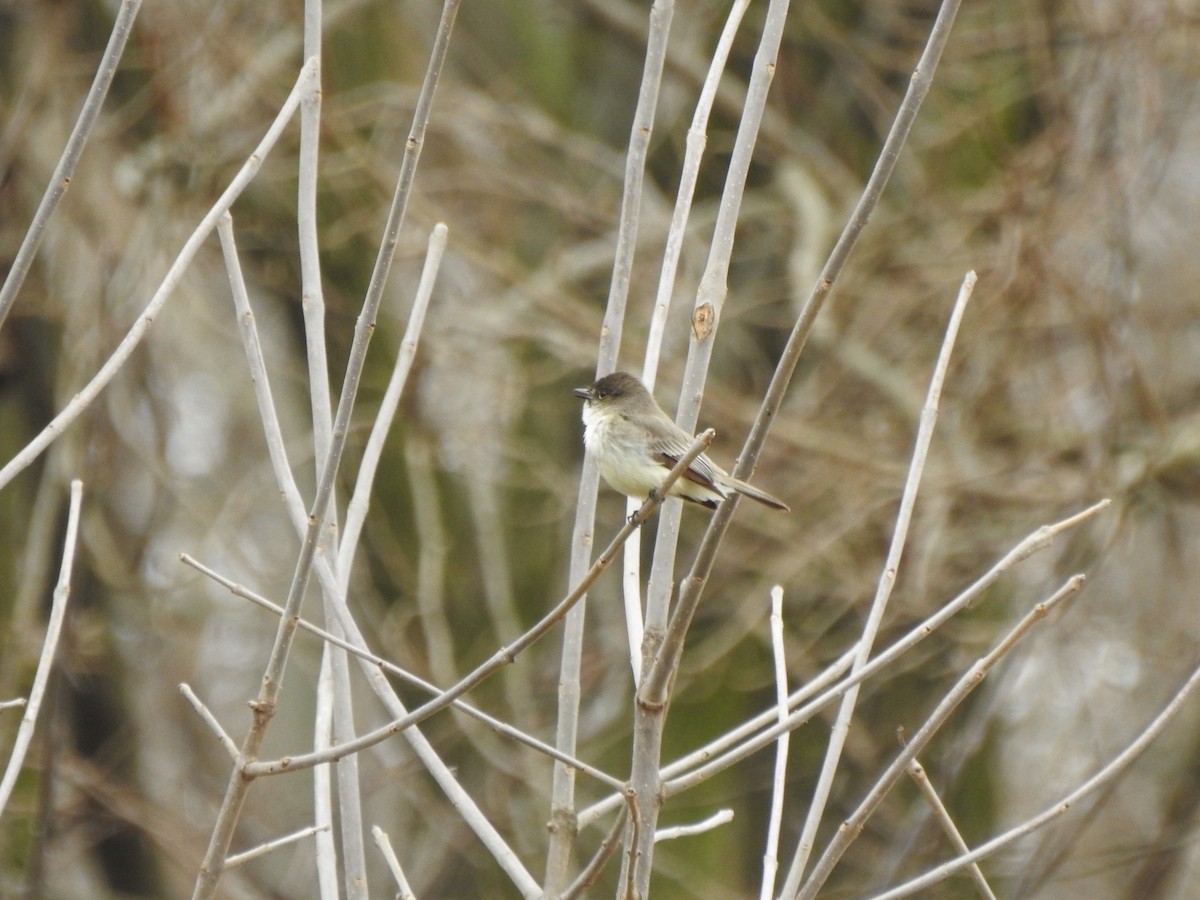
[{"x": 613, "y": 387}]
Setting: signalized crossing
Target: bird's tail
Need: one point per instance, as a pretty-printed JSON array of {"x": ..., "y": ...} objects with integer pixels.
[{"x": 754, "y": 493}]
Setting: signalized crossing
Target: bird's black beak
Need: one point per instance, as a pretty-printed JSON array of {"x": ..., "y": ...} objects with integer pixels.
[{"x": 583, "y": 393}]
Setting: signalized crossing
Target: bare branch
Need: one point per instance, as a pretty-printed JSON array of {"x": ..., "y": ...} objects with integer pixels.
[
  {"x": 386, "y": 665},
  {"x": 779, "y": 781},
  {"x": 917, "y": 773},
  {"x": 124, "y": 350},
  {"x": 883, "y": 593},
  {"x": 356, "y": 512},
  {"x": 852, "y": 827},
  {"x": 263, "y": 849},
  {"x": 58, "y": 614},
  {"x": 389, "y": 855},
  {"x": 1062, "y": 806},
  {"x": 716, "y": 820},
  {"x": 64, "y": 170},
  {"x": 210, "y": 720}
]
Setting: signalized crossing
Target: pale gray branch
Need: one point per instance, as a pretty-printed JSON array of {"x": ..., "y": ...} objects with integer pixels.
[
  {"x": 64, "y": 170},
  {"x": 852, "y": 827},
  {"x": 917, "y": 773},
  {"x": 210, "y": 720},
  {"x": 1060, "y": 807},
  {"x": 883, "y": 592},
  {"x": 263, "y": 849},
  {"x": 100, "y": 380},
  {"x": 389, "y": 855},
  {"x": 58, "y": 614}
]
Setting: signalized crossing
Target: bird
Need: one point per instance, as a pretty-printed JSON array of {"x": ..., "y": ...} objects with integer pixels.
[{"x": 636, "y": 444}]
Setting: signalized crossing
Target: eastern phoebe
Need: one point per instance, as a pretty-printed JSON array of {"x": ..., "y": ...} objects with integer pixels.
[{"x": 636, "y": 444}]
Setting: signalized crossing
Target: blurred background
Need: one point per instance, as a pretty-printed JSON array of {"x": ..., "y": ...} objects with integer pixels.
[{"x": 1058, "y": 155}]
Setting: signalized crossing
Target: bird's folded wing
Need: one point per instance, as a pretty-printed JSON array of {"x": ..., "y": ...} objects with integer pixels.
[{"x": 702, "y": 470}]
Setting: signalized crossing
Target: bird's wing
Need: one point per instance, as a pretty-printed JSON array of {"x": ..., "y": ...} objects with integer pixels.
[{"x": 702, "y": 471}]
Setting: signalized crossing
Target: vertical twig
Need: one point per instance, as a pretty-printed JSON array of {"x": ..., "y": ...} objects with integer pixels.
[
  {"x": 65, "y": 168},
  {"x": 312, "y": 302},
  {"x": 312, "y": 293},
  {"x": 263, "y": 708},
  {"x": 562, "y": 803},
  {"x": 883, "y": 592},
  {"x": 326, "y": 845},
  {"x": 360, "y": 500},
  {"x": 779, "y": 782},
  {"x": 650, "y": 711},
  {"x": 58, "y": 612},
  {"x": 659, "y": 589}
]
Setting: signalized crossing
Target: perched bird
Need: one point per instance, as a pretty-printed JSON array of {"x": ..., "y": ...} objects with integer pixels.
[{"x": 636, "y": 444}]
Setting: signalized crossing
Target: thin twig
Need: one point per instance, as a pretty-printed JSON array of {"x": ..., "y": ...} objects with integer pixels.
[
  {"x": 58, "y": 614},
  {"x": 325, "y": 851},
  {"x": 84, "y": 397},
  {"x": 779, "y": 781},
  {"x": 917, "y": 773},
  {"x": 334, "y": 694},
  {"x": 267, "y": 410},
  {"x": 566, "y": 737},
  {"x": 971, "y": 679},
  {"x": 356, "y": 512},
  {"x": 590, "y": 872},
  {"x": 1060, "y": 807},
  {"x": 312, "y": 294},
  {"x": 883, "y": 592},
  {"x": 716, "y": 820},
  {"x": 210, "y": 720},
  {"x": 64, "y": 170},
  {"x": 389, "y": 855},
  {"x": 18, "y": 703},
  {"x": 263, "y": 849}
]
